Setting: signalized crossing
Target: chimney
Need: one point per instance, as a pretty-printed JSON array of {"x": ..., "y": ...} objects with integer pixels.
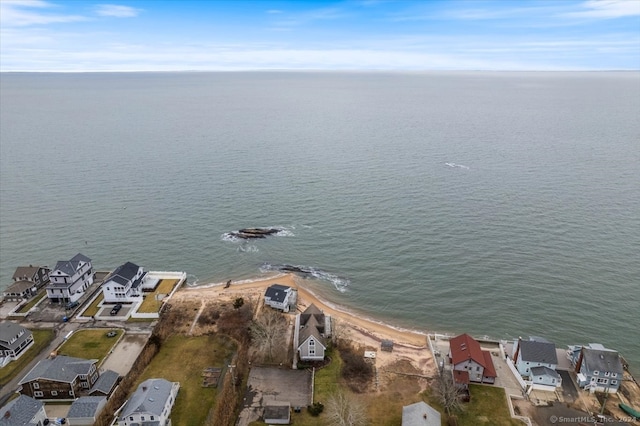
[
  {"x": 579, "y": 363},
  {"x": 515, "y": 356}
]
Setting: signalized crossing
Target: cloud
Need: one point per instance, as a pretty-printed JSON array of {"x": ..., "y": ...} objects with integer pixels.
[
  {"x": 274, "y": 11},
  {"x": 22, "y": 13},
  {"x": 117, "y": 11},
  {"x": 606, "y": 9}
]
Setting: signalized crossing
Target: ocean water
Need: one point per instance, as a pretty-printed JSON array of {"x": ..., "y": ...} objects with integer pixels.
[{"x": 500, "y": 204}]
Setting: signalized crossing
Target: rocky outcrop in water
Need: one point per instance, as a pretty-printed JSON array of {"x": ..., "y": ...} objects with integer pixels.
[{"x": 251, "y": 233}]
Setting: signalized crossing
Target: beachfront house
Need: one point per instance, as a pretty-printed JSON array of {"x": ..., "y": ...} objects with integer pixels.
[
  {"x": 60, "y": 377},
  {"x": 465, "y": 354},
  {"x": 280, "y": 297},
  {"x": 538, "y": 353},
  {"x": 124, "y": 284},
  {"x": 312, "y": 329},
  {"x": 27, "y": 280},
  {"x": 14, "y": 341},
  {"x": 70, "y": 279},
  {"x": 23, "y": 411},
  {"x": 85, "y": 410},
  {"x": 151, "y": 403},
  {"x": 420, "y": 414},
  {"x": 598, "y": 369}
]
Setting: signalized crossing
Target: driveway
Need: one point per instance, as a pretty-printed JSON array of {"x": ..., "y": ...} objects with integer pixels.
[
  {"x": 569, "y": 390},
  {"x": 125, "y": 353},
  {"x": 276, "y": 385}
]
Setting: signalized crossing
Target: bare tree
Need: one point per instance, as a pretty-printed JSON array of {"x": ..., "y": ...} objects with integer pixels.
[
  {"x": 344, "y": 410},
  {"x": 338, "y": 330},
  {"x": 449, "y": 395},
  {"x": 268, "y": 332}
]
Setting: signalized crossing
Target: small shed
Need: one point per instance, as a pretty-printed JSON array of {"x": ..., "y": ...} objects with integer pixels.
[
  {"x": 386, "y": 345},
  {"x": 277, "y": 414}
]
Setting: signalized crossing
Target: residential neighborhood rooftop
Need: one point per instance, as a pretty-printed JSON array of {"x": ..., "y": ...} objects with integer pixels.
[
  {"x": 20, "y": 411},
  {"x": 60, "y": 368}
]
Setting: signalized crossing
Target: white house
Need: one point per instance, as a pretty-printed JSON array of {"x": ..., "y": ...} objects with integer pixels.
[
  {"x": 280, "y": 297},
  {"x": 465, "y": 354},
  {"x": 312, "y": 329},
  {"x": 23, "y": 411},
  {"x": 420, "y": 414},
  {"x": 124, "y": 284},
  {"x": 70, "y": 279},
  {"x": 151, "y": 403},
  {"x": 535, "y": 352},
  {"x": 14, "y": 341}
]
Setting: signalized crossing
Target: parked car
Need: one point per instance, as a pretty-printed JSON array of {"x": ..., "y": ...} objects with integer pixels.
[
  {"x": 116, "y": 309},
  {"x": 72, "y": 305}
]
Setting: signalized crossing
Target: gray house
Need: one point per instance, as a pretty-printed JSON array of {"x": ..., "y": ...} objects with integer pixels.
[
  {"x": 535, "y": 352},
  {"x": 14, "y": 341},
  {"x": 280, "y": 297},
  {"x": 85, "y": 410},
  {"x": 27, "y": 280},
  {"x": 105, "y": 384},
  {"x": 598, "y": 369},
  {"x": 151, "y": 404},
  {"x": 70, "y": 279},
  {"x": 312, "y": 329},
  {"x": 61, "y": 377},
  {"x": 23, "y": 411},
  {"x": 420, "y": 414}
]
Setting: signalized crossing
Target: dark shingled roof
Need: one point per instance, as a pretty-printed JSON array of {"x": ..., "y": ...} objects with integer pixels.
[
  {"x": 69, "y": 267},
  {"x": 544, "y": 371},
  {"x": 276, "y": 412},
  {"x": 538, "y": 351},
  {"x": 20, "y": 411},
  {"x": 26, "y": 271},
  {"x": 277, "y": 292},
  {"x": 85, "y": 406},
  {"x": 105, "y": 383},
  {"x": 9, "y": 330},
  {"x": 61, "y": 369},
  {"x": 602, "y": 360},
  {"x": 124, "y": 274},
  {"x": 312, "y": 324}
]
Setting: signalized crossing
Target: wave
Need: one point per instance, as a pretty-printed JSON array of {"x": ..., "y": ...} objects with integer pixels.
[
  {"x": 461, "y": 166},
  {"x": 245, "y": 248},
  {"x": 338, "y": 282},
  {"x": 191, "y": 281}
]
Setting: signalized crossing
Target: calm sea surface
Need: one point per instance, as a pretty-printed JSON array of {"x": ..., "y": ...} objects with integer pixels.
[{"x": 503, "y": 204}]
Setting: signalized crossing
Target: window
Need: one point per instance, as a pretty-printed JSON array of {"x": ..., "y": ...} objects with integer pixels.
[
  {"x": 36, "y": 385},
  {"x": 54, "y": 393},
  {"x": 477, "y": 368},
  {"x": 152, "y": 418},
  {"x": 607, "y": 374},
  {"x": 38, "y": 394},
  {"x": 603, "y": 381},
  {"x": 70, "y": 393},
  {"x": 142, "y": 418},
  {"x": 131, "y": 418},
  {"x": 614, "y": 382},
  {"x": 596, "y": 373},
  {"x": 614, "y": 374}
]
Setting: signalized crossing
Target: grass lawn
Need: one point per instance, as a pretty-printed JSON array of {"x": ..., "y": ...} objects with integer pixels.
[
  {"x": 41, "y": 338},
  {"x": 93, "y": 309},
  {"x": 35, "y": 299},
  {"x": 89, "y": 344},
  {"x": 182, "y": 359},
  {"x": 150, "y": 304},
  {"x": 488, "y": 406}
]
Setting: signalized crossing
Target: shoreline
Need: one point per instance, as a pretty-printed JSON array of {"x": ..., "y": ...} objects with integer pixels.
[{"x": 375, "y": 329}]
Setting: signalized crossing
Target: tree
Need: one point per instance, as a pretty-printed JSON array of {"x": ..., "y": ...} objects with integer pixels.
[
  {"x": 344, "y": 410},
  {"x": 447, "y": 392},
  {"x": 268, "y": 332}
]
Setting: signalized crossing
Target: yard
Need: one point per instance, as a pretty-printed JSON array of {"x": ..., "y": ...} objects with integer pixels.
[
  {"x": 93, "y": 309},
  {"x": 488, "y": 406},
  {"x": 183, "y": 359},
  {"x": 35, "y": 299},
  {"x": 150, "y": 304},
  {"x": 89, "y": 344},
  {"x": 41, "y": 339}
]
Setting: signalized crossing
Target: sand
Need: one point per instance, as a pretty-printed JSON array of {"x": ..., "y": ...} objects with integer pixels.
[{"x": 409, "y": 345}]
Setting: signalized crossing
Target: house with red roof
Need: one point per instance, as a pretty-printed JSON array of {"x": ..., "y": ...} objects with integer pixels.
[{"x": 465, "y": 354}]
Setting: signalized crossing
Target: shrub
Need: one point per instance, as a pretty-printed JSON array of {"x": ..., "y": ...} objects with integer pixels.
[
  {"x": 237, "y": 304},
  {"x": 315, "y": 409}
]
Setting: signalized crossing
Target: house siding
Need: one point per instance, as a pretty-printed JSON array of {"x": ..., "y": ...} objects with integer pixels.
[
  {"x": 475, "y": 370},
  {"x": 305, "y": 350}
]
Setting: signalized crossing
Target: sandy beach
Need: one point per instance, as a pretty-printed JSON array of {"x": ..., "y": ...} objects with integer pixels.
[{"x": 409, "y": 345}]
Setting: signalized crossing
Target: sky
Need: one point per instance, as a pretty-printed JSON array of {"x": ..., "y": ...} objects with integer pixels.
[{"x": 164, "y": 35}]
